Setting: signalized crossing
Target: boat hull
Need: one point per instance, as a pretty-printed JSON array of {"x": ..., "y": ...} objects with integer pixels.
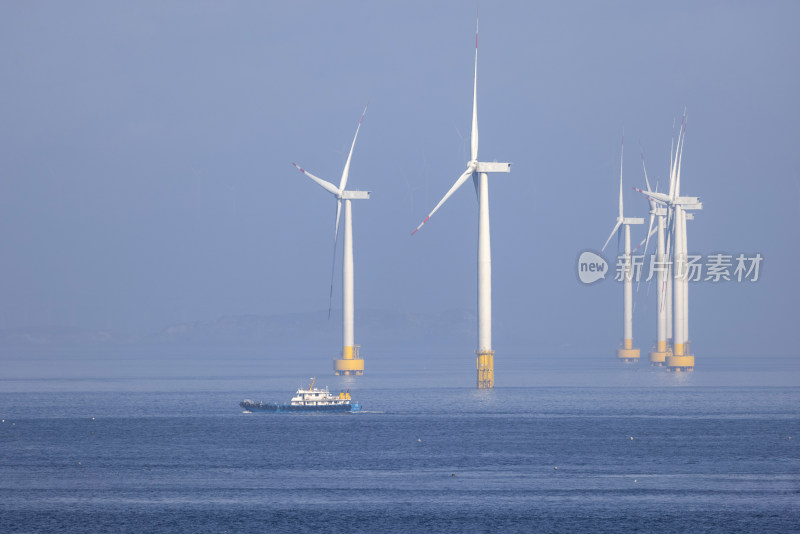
[{"x": 290, "y": 408}]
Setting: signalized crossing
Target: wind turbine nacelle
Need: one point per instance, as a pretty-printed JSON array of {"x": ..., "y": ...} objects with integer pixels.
[
  {"x": 688, "y": 202},
  {"x": 492, "y": 166},
  {"x": 355, "y": 195},
  {"x": 632, "y": 220},
  {"x": 659, "y": 210}
]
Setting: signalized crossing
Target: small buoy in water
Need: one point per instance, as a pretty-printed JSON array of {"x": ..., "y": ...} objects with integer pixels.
[
  {"x": 555, "y": 468},
  {"x": 419, "y": 440},
  {"x": 452, "y": 475},
  {"x": 92, "y": 418},
  {"x": 3, "y": 421},
  {"x": 79, "y": 463},
  {"x": 631, "y": 438},
  {"x": 635, "y": 480}
]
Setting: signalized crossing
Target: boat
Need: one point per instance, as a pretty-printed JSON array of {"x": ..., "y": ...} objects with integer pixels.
[{"x": 308, "y": 400}]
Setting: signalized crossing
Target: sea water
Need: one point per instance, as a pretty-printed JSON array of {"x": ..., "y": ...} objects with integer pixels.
[{"x": 613, "y": 451}]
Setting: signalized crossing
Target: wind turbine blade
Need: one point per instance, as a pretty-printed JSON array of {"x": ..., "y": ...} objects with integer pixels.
[
  {"x": 661, "y": 198},
  {"x": 619, "y": 223},
  {"x": 680, "y": 160},
  {"x": 346, "y": 171},
  {"x": 336, "y": 228},
  {"x": 646, "y": 242},
  {"x": 663, "y": 291},
  {"x": 326, "y": 185},
  {"x": 667, "y": 257},
  {"x": 649, "y": 233},
  {"x": 646, "y": 181},
  {"x": 459, "y": 183},
  {"x": 674, "y": 161},
  {"x": 333, "y": 262},
  {"x": 671, "y": 150},
  {"x": 668, "y": 252},
  {"x": 670, "y": 242},
  {"x": 673, "y": 158},
  {"x": 621, "y": 153},
  {"x": 474, "y": 139}
]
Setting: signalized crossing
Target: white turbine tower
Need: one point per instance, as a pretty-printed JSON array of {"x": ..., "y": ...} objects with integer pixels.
[
  {"x": 659, "y": 355},
  {"x": 626, "y": 353},
  {"x": 680, "y": 359},
  {"x": 478, "y": 171},
  {"x": 350, "y": 362}
]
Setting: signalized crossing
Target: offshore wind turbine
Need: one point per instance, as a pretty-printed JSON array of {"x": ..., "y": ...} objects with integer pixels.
[
  {"x": 664, "y": 275},
  {"x": 350, "y": 362},
  {"x": 478, "y": 171},
  {"x": 680, "y": 358},
  {"x": 660, "y": 352},
  {"x": 626, "y": 353}
]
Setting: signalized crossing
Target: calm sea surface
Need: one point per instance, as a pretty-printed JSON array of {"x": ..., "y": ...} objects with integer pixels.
[{"x": 653, "y": 454}]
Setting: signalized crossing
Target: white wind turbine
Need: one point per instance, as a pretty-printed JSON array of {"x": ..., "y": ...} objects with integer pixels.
[
  {"x": 680, "y": 359},
  {"x": 627, "y": 353},
  {"x": 478, "y": 171},
  {"x": 659, "y": 355},
  {"x": 350, "y": 363}
]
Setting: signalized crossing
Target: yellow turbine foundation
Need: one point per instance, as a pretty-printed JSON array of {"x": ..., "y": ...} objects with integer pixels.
[
  {"x": 628, "y": 353},
  {"x": 659, "y": 356},
  {"x": 350, "y": 363},
  {"x": 485, "y": 369},
  {"x": 684, "y": 362},
  {"x": 348, "y": 367}
]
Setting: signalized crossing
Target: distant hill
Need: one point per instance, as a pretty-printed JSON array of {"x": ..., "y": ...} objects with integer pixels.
[
  {"x": 60, "y": 336},
  {"x": 377, "y": 330}
]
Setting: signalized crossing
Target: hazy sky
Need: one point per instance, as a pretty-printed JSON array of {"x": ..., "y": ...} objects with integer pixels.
[{"x": 146, "y": 149}]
